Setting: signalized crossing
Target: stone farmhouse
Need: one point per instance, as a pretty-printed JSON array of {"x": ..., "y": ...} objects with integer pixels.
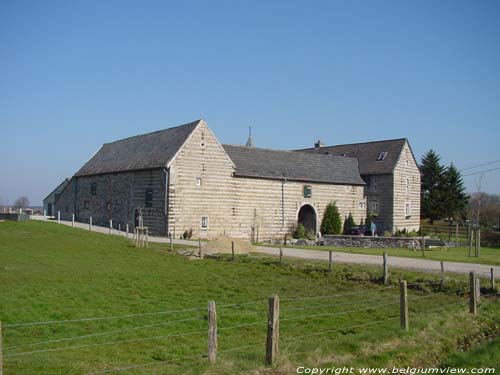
[
  {"x": 182, "y": 180},
  {"x": 392, "y": 179}
]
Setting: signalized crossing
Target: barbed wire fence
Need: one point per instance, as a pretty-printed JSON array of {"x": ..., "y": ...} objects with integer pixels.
[{"x": 294, "y": 310}]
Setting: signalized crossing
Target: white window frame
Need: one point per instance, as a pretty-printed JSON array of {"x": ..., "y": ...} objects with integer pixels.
[
  {"x": 204, "y": 222},
  {"x": 361, "y": 205},
  {"x": 407, "y": 209},
  {"x": 198, "y": 181},
  {"x": 373, "y": 207}
]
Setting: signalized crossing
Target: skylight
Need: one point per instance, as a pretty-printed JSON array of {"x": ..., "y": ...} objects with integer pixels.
[{"x": 382, "y": 156}]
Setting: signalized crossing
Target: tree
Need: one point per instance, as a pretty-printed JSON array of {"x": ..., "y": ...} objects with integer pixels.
[
  {"x": 432, "y": 186},
  {"x": 22, "y": 202},
  {"x": 489, "y": 215},
  {"x": 349, "y": 224},
  {"x": 455, "y": 199},
  {"x": 331, "y": 223}
]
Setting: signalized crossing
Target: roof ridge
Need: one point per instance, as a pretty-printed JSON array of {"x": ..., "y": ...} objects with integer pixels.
[
  {"x": 356, "y": 143},
  {"x": 196, "y": 122},
  {"x": 285, "y": 151}
]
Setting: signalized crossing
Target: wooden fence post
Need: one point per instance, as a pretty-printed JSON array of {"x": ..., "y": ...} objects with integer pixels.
[
  {"x": 330, "y": 256},
  {"x": 199, "y": 247},
  {"x": 281, "y": 254},
  {"x": 119, "y": 228},
  {"x": 472, "y": 295},
  {"x": 111, "y": 227},
  {"x": 493, "y": 286},
  {"x": 73, "y": 220},
  {"x": 90, "y": 224},
  {"x": 403, "y": 305},
  {"x": 58, "y": 217},
  {"x": 442, "y": 273},
  {"x": 386, "y": 269},
  {"x": 471, "y": 237},
  {"x": 171, "y": 242},
  {"x": 212, "y": 332},
  {"x": 478, "y": 290},
  {"x": 478, "y": 243},
  {"x": 232, "y": 250},
  {"x": 126, "y": 231},
  {"x": 284, "y": 241},
  {"x": 273, "y": 324}
]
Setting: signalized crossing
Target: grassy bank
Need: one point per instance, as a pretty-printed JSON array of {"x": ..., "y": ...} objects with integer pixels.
[{"x": 52, "y": 272}]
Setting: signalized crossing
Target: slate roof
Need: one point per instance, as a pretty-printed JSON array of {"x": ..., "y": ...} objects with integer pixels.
[
  {"x": 146, "y": 151},
  {"x": 298, "y": 166},
  {"x": 58, "y": 189},
  {"x": 367, "y": 154}
]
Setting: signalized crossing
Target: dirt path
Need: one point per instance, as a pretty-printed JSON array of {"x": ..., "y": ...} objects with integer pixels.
[{"x": 425, "y": 265}]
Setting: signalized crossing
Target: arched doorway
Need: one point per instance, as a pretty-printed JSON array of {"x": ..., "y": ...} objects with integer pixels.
[{"x": 307, "y": 217}]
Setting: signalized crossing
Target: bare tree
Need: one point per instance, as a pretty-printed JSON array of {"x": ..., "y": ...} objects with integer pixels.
[
  {"x": 489, "y": 213},
  {"x": 22, "y": 202}
]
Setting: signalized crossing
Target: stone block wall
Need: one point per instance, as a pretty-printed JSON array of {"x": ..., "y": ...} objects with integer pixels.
[{"x": 372, "y": 242}]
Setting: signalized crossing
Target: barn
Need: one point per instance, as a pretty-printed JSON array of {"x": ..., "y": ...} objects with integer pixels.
[{"x": 182, "y": 179}]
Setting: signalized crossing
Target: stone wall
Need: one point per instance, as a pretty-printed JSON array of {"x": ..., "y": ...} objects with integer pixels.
[
  {"x": 406, "y": 191},
  {"x": 117, "y": 196},
  {"x": 372, "y": 242}
]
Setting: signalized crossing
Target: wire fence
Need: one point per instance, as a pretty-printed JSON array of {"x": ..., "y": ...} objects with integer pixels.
[{"x": 235, "y": 321}]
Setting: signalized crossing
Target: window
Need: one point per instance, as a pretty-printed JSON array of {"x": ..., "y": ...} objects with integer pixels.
[
  {"x": 408, "y": 210},
  {"x": 86, "y": 205},
  {"x": 93, "y": 188},
  {"x": 361, "y": 205},
  {"x": 149, "y": 198},
  {"x": 373, "y": 208},
  {"x": 307, "y": 191},
  {"x": 204, "y": 222},
  {"x": 382, "y": 156},
  {"x": 198, "y": 181},
  {"x": 372, "y": 184}
]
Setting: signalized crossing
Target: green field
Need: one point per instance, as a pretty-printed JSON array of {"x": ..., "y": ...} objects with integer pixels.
[
  {"x": 452, "y": 254},
  {"x": 53, "y": 273}
]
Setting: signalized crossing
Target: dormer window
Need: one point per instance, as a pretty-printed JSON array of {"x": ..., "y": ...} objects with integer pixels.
[{"x": 382, "y": 156}]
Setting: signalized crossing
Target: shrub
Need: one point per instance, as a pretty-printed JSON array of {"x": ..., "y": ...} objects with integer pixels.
[
  {"x": 187, "y": 234},
  {"x": 331, "y": 223},
  {"x": 300, "y": 232},
  {"x": 349, "y": 224},
  {"x": 310, "y": 234},
  {"x": 386, "y": 233}
]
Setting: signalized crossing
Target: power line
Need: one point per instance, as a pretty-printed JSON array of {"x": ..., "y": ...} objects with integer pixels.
[
  {"x": 481, "y": 172},
  {"x": 480, "y": 165}
]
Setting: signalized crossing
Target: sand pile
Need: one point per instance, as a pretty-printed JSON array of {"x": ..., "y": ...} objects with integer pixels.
[{"x": 223, "y": 245}]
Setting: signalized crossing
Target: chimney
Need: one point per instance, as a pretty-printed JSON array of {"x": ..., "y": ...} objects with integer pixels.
[{"x": 319, "y": 144}]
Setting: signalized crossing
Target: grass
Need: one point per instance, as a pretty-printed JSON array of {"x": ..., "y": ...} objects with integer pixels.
[
  {"x": 485, "y": 355},
  {"x": 53, "y": 272},
  {"x": 489, "y": 256}
]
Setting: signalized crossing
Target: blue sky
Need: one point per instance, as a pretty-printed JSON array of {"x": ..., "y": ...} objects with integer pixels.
[{"x": 74, "y": 75}]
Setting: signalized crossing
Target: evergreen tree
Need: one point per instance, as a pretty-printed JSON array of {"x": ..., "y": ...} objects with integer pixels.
[
  {"x": 349, "y": 224},
  {"x": 433, "y": 186},
  {"x": 331, "y": 223},
  {"x": 455, "y": 199}
]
